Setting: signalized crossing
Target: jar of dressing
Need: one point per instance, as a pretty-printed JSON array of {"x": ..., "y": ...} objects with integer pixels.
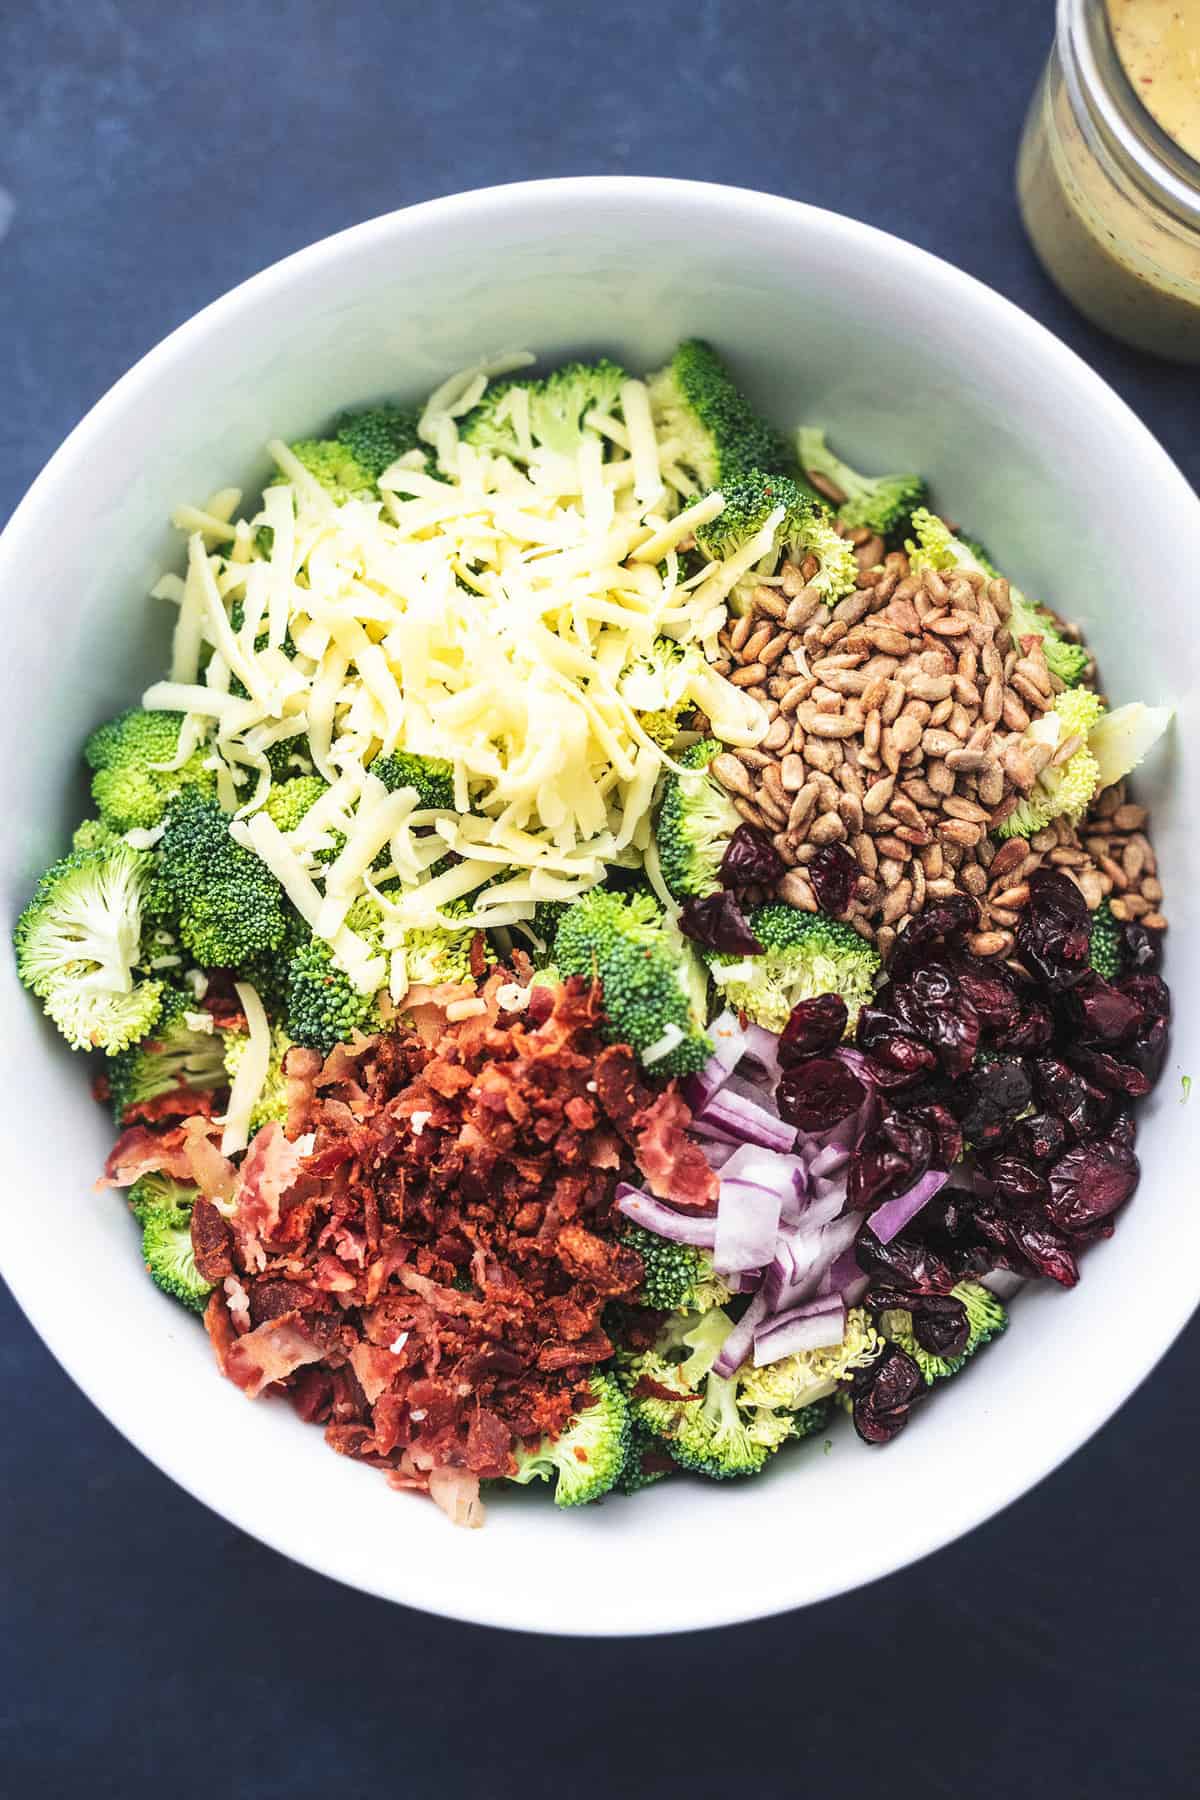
[{"x": 1108, "y": 174}]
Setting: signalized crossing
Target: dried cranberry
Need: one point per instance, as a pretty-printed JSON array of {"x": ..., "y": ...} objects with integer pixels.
[
  {"x": 1123, "y": 1132},
  {"x": 1054, "y": 933},
  {"x": 950, "y": 918},
  {"x": 1025, "y": 1243},
  {"x": 750, "y": 859},
  {"x": 817, "y": 1094},
  {"x": 1084, "y": 1107},
  {"x": 906, "y": 1262},
  {"x": 879, "y": 1036},
  {"x": 934, "y": 1007},
  {"x": 1101, "y": 1014},
  {"x": 884, "y": 1394},
  {"x": 940, "y": 1324},
  {"x": 988, "y": 1100},
  {"x": 1039, "y": 1137},
  {"x": 718, "y": 922},
  {"x": 1142, "y": 948},
  {"x": 1110, "y": 1072},
  {"x": 1016, "y": 1183},
  {"x": 895, "y": 1155},
  {"x": 944, "y": 1129},
  {"x": 1033, "y": 1030},
  {"x": 1090, "y": 1182},
  {"x": 1150, "y": 992},
  {"x": 832, "y": 872},
  {"x": 816, "y": 1027},
  {"x": 1149, "y": 1051},
  {"x": 993, "y": 996}
]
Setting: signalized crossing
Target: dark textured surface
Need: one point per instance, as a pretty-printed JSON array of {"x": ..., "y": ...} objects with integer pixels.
[{"x": 156, "y": 157}]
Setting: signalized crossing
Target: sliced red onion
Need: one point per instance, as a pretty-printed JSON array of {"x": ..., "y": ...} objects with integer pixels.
[
  {"x": 664, "y": 1221},
  {"x": 729, "y": 1045},
  {"x": 816, "y": 1327},
  {"x": 828, "y": 1161},
  {"x": 736, "y": 1120},
  {"x": 736, "y": 1347},
  {"x": 763, "y": 1047},
  {"x": 812, "y": 1253},
  {"x": 747, "y": 1224},
  {"x": 745, "y": 1281},
  {"x": 717, "y": 1155},
  {"x": 889, "y": 1220},
  {"x": 844, "y": 1277},
  {"x": 828, "y": 1201}
]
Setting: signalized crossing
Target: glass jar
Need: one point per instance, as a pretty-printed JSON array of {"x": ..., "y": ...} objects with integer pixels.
[{"x": 1110, "y": 201}]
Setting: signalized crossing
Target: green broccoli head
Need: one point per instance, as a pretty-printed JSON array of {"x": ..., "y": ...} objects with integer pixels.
[
  {"x": 811, "y": 1419},
  {"x": 324, "y": 1008},
  {"x": 272, "y": 1103},
  {"x": 432, "y": 776},
  {"x": 805, "y": 529},
  {"x": 804, "y": 954},
  {"x": 93, "y": 834},
  {"x": 700, "y": 1424},
  {"x": 1105, "y": 955},
  {"x": 174, "y": 1058},
  {"x": 676, "y": 1277},
  {"x": 648, "y": 974},
  {"x": 377, "y": 437},
  {"x": 131, "y": 792},
  {"x": 882, "y": 503},
  {"x": 289, "y": 800},
  {"x": 1064, "y": 658},
  {"x": 657, "y": 684},
  {"x": 228, "y": 905},
  {"x": 336, "y": 467},
  {"x": 695, "y": 403},
  {"x": 646, "y": 1461},
  {"x": 589, "y": 1457},
  {"x": 556, "y": 409},
  {"x": 78, "y": 943},
  {"x": 436, "y": 954},
  {"x": 168, "y": 1255},
  {"x": 1065, "y": 790},
  {"x": 986, "y": 1318},
  {"x": 160, "y": 1196},
  {"x": 696, "y": 819}
]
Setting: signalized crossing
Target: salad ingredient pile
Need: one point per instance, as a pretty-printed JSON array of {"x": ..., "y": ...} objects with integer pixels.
[{"x": 616, "y": 937}]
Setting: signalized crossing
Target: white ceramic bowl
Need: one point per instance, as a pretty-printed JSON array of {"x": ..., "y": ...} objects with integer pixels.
[{"x": 912, "y": 363}]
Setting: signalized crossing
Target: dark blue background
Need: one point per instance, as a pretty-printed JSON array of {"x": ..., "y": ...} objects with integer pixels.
[{"x": 156, "y": 156}]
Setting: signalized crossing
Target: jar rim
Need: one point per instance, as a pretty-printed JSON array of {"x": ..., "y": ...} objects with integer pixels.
[{"x": 1110, "y": 110}]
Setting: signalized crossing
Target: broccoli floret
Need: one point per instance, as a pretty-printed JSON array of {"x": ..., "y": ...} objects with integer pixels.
[
  {"x": 271, "y": 1104},
  {"x": 803, "y": 954},
  {"x": 1105, "y": 955},
  {"x": 288, "y": 801},
  {"x": 1068, "y": 789},
  {"x": 127, "y": 787},
  {"x": 647, "y": 972},
  {"x": 78, "y": 943},
  {"x": 797, "y": 1383},
  {"x": 811, "y": 1419},
  {"x": 646, "y": 1461},
  {"x": 336, "y": 467},
  {"x": 590, "y": 1455},
  {"x": 93, "y": 834},
  {"x": 696, "y": 819},
  {"x": 160, "y": 1196},
  {"x": 805, "y": 529},
  {"x": 173, "y": 1057},
  {"x": 378, "y": 436},
  {"x": 702, "y": 1427},
  {"x": 289, "y": 757},
  {"x": 167, "y": 1254},
  {"x": 229, "y": 906},
  {"x": 324, "y": 1007},
  {"x": 432, "y": 777},
  {"x": 882, "y": 503},
  {"x": 557, "y": 407},
  {"x": 657, "y": 684},
  {"x": 676, "y": 1277},
  {"x": 695, "y": 403},
  {"x": 938, "y": 548},
  {"x": 539, "y": 932},
  {"x": 986, "y": 1319}
]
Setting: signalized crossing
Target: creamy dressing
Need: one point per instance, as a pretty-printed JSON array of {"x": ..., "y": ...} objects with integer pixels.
[{"x": 1158, "y": 42}]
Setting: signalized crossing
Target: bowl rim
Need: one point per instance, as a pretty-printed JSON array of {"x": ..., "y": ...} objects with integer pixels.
[{"x": 420, "y": 1589}]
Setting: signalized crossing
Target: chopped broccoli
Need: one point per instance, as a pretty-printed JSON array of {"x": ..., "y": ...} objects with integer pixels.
[
  {"x": 272, "y": 1104},
  {"x": 658, "y": 685},
  {"x": 646, "y": 1461},
  {"x": 556, "y": 408},
  {"x": 803, "y": 954},
  {"x": 130, "y": 790},
  {"x": 1065, "y": 790},
  {"x": 881, "y": 503},
  {"x": 432, "y": 777},
  {"x": 798, "y": 1382},
  {"x": 805, "y": 529},
  {"x": 589, "y": 1457},
  {"x": 696, "y": 819},
  {"x": 541, "y": 929},
  {"x": 324, "y": 1007},
  {"x": 702, "y": 1426},
  {"x": 336, "y": 467},
  {"x": 160, "y": 1196},
  {"x": 173, "y": 1057},
  {"x": 811, "y": 1419},
  {"x": 938, "y": 548},
  {"x": 1105, "y": 954},
  {"x": 228, "y": 905},
  {"x": 986, "y": 1319},
  {"x": 378, "y": 436},
  {"x": 167, "y": 1254},
  {"x": 695, "y": 403},
  {"x": 676, "y": 1277},
  {"x": 288, "y": 801},
  {"x": 93, "y": 834},
  {"x": 648, "y": 974},
  {"x": 78, "y": 942},
  {"x": 288, "y": 757}
]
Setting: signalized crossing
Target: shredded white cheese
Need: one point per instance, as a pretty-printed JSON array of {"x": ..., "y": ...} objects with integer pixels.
[{"x": 251, "y": 1075}]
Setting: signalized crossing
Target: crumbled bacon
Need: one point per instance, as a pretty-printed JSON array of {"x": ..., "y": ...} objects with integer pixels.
[
  {"x": 674, "y": 1165},
  {"x": 212, "y": 1241}
]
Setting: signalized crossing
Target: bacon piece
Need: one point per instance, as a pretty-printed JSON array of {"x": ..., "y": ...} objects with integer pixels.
[
  {"x": 139, "y": 1151},
  {"x": 376, "y": 1368},
  {"x": 622, "y": 1093},
  {"x": 219, "y": 1326},
  {"x": 212, "y": 1241},
  {"x": 489, "y": 1445},
  {"x": 609, "y": 1268},
  {"x": 300, "y": 1070},
  {"x": 674, "y": 1165},
  {"x": 180, "y": 1102},
  {"x": 269, "y": 1353},
  {"x": 212, "y": 1173},
  {"x": 271, "y": 1166}
]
